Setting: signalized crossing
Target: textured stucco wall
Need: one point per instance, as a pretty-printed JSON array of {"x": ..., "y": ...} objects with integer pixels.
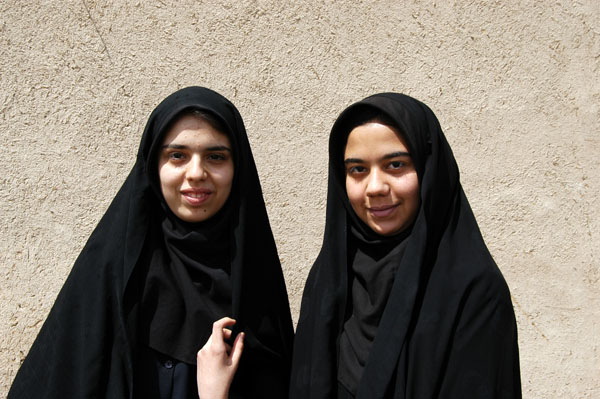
[{"x": 515, "y": 84}]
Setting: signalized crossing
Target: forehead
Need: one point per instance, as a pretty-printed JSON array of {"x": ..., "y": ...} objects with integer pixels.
[
  {"x": 193, "y": 128},
  {"x": 374, "y": 138}
]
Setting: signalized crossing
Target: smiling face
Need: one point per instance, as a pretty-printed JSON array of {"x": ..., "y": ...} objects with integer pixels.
[
  {"x": 195, "y": 169},
  {"x": 381, "y": 180}
]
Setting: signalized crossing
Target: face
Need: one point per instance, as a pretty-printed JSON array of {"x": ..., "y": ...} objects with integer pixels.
[
  {"x": 381, "y": 180},
  {"x": 195, "y": 169}
]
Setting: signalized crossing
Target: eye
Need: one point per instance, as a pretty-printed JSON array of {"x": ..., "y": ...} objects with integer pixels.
[
  {"x": 353, "y": 170},
  {"x": 217, "y": 157},
  {"x": 176, "y": 156},
  {"x": 396, "y": 164}
]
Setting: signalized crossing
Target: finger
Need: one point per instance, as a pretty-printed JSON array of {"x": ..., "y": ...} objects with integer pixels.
[
  {"x": 218, "y": 326},
  {"x": 227, "y": 333},
  {"x": 238, "y": 348}
]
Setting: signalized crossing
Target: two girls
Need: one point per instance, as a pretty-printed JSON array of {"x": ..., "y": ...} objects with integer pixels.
[{"x": 403, "y": 301}]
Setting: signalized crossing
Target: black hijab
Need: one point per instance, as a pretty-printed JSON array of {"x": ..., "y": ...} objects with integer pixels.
[
  {"x": 447, "y": 329},
  {"x": 118, "y": 298}
]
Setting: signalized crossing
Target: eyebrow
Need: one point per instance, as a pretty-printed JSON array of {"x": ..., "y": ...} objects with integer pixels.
[
  {"x": 386, "y": 156},
  {"x": 219, "y": 148},
  {"x": 184, "y": 147}
]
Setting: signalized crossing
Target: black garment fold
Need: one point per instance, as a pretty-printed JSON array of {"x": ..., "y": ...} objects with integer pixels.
[
  {"x": 448, "y": 328},
  {"x": 93, "y": 338},
  {"x": 372, "y": 269},
  {"x": 188, "y": 285}
]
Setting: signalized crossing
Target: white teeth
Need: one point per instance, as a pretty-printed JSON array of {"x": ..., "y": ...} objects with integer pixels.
[{"x": 193, "y": 195}]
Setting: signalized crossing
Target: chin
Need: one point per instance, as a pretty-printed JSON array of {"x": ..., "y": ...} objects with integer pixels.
[
  {"x": 386, "y": 230},
  {"x": 191, "y": 217}
]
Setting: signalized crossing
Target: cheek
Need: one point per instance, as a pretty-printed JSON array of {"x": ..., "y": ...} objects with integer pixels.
[
  {"x": 167, "y": 177},
  {"x": 227, "y": 184},
  {"x": 224, "y": 178},
  {"x": 355, "y": 194},
  {"x": 412, "y": 192}
]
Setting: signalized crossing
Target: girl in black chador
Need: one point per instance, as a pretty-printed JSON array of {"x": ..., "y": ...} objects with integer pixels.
[
  {"x": 185, "y": 242},
  {"x": 404, "y": 299}
]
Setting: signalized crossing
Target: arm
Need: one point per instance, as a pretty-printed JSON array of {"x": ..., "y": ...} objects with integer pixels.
[{"x": 217, "y": 361}]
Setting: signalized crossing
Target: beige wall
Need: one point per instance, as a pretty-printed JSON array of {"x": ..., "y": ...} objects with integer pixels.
[{"x": 515, "y": 84}]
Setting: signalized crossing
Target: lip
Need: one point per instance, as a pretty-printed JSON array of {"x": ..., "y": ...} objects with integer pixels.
[
  {"x": 382, "y": 211},
  {"x": 196, "y": 196}
]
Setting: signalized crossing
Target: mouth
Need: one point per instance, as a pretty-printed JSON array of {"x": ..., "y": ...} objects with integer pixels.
[
  {"x": 382, "y": 211},
  {"x": 196, "y": 197}
]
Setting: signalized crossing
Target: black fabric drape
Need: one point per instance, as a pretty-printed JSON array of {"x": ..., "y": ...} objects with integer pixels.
[
  {"x": 188, "y": 285},
  {"x": 89, "y": 344},
  {"x": 448, "y": 328},
  {"x": 372, "y": 267}
]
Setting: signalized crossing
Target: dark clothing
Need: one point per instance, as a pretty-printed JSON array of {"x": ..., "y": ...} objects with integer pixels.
[
  {"x": 162, "y": 377},
  {"x": 446, "y": 327},
  {"x": 145, "y": 279},
  {"x": 371, "y": 277}
]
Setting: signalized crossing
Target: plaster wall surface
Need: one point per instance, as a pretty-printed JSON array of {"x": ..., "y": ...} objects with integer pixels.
[{"x": 515, "y": 84}]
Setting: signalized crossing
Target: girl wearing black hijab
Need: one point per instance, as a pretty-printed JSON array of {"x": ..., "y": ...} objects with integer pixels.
[
  {"x": 404, "y": 299},
  {"x": 185, "y": 242}
]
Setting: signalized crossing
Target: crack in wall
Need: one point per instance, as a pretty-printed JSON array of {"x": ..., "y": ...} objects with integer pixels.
[{"x": 97, "y": 30}]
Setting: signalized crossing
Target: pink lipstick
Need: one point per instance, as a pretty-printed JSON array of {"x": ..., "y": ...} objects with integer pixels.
[{"x": 382, "y": 211}]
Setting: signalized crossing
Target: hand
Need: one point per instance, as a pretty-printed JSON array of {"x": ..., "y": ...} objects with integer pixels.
[{"x": 217, "y": 361}]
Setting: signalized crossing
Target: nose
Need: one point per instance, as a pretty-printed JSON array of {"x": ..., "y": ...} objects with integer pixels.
[
  {"x": 376, "y": 184},
  {"x": 196, "y": 169}
]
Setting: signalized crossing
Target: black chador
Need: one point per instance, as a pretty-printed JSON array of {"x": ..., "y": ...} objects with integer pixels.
[
  {"x": 424, "y": 313},
  {"x": 146, "y": 288}
]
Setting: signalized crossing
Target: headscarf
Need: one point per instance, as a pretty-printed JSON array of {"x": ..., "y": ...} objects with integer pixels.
[
  {"x": 447, "y": 329},
  {"x": 117, "y": 298}
]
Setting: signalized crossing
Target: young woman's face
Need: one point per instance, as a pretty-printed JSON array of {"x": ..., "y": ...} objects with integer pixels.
[
  {"x": 381, "y": 180},
  {"x": 195, "y": 169}
]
